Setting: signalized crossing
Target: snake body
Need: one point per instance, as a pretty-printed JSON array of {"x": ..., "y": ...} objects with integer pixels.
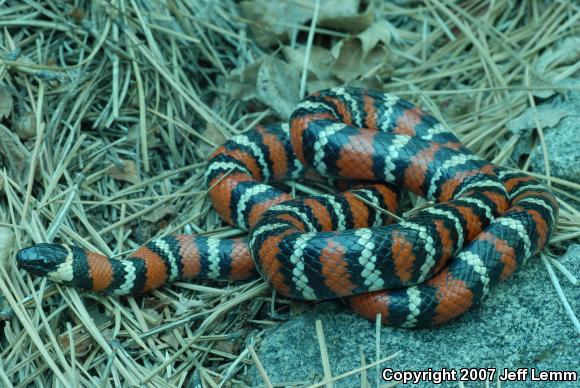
[{"x": 425, "y": 270}]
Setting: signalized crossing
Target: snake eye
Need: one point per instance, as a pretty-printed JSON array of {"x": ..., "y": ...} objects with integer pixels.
[{"x": 41, "y": 259}]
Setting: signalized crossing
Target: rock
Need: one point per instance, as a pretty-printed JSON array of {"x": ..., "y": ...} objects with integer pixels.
[
  {"x": 562, "y": 141},
  {"x": 563, "y": 147},
  {"x": 521, "y": 325}
]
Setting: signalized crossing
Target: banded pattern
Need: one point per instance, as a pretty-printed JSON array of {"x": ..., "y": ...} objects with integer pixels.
[
  {"x": 426, "y": 270},
  {"x": 151, "y": 266}
]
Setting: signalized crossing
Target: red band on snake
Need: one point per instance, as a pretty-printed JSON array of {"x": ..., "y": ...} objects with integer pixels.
[{"x": 425, "y": 270}]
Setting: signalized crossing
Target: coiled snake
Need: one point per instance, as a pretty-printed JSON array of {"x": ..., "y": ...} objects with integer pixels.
[{"x": 425, "y": 270}]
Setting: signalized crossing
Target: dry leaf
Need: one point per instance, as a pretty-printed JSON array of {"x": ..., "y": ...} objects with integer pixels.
[
  {"x": 6, "y": 245},
  {"x": 353, "y": 21},
  {"x": 230, "y": 347},
  {"x": 319, "y": 63},
  {"x": 242, "y": 83},
  {"x": 320, "y": 69},
  {"x": 212, "y": 133},
  {"x": 265, "y": 15},
  {"x": 127, "y": 173},
  {"x": 272, "y": 81},
  {"x": 184, "y": 306},
  {"x": 547, "y": 115},
  {"x": 171, "y": 340},
  {"x": 359, "y": 55},
  {"x": 380, "y": 31},
  {"x": 14, "y": 152},
  {"x": 351, "y": 63},
  {"x": 565, "y": 52},
  {"x": 82, "y": 348},
  {"x": 555, "y": 61},
  {"x": 24, "y": 124},
  {"x": 159, "y": 213},
  {"x": 6, "y": 102},
  {"x": 277, "y": 86},
  {"x": 316, "y": 85}
]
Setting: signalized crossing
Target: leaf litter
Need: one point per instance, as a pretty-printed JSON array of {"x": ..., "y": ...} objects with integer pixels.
[{"x": 108, "y": 111}]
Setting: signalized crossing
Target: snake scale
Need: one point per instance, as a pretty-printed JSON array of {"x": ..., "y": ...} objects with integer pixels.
[{"x": 435, "y": 264}]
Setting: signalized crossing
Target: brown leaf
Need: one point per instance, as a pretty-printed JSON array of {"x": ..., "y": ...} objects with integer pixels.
[
  {"x": 6, "y": 243},
  {"x": 352, "y": 62},
  {"x": 265, "y": 15},
  {"x": 565, "y": 52},
  {"x": 159, "y": 213},
  {"x": 359, "y": 55},
  {"x": 277, "y": 86},
  {"x": 242, "y": 83},
  {"x": 230, "y": 347},
  {"x": 127, "y": 173},
  {"x": 13, "y": 150},
  {"x": 320, "y": 70},
  {"x": 557, "y": 59},
  {"x": 379, "y": 31},
  {"x": 184, "y": 306},
  {"x": 214, "y": 134},
  {"x": 171, "y": 340},
  {"x": 319, "y": 63},
  {"x": 24, "y": 124},
  {"x": 82, "y": 348},
  {"x": 272, "y": 81},
  {"x": 316, "y": 85},
  {"x": 6, "y": 102},
  {"x": 547, "y": 115},
  {"x": 353, "y": 21}
]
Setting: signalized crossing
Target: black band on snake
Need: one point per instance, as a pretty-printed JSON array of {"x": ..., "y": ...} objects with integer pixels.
[{"x": 429, "y": 268}]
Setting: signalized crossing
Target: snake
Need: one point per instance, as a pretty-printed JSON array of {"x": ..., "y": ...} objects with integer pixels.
[{"x": 478, "y": 224}]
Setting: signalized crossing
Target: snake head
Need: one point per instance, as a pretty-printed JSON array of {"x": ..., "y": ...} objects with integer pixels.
[{"x": 43, "y": 259}]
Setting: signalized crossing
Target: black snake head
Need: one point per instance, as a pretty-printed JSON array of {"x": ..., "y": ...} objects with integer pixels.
[{"x": 43, "y": 259}]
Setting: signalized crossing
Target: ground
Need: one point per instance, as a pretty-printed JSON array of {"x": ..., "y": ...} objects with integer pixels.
[{"x": 109, "y": 109}]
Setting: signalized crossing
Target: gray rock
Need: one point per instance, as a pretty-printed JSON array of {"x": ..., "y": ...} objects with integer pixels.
[
  {"x": 560, "y": 118},
  {"x": 521, "y": 325},
  {"x": 563, "y": 147}
]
